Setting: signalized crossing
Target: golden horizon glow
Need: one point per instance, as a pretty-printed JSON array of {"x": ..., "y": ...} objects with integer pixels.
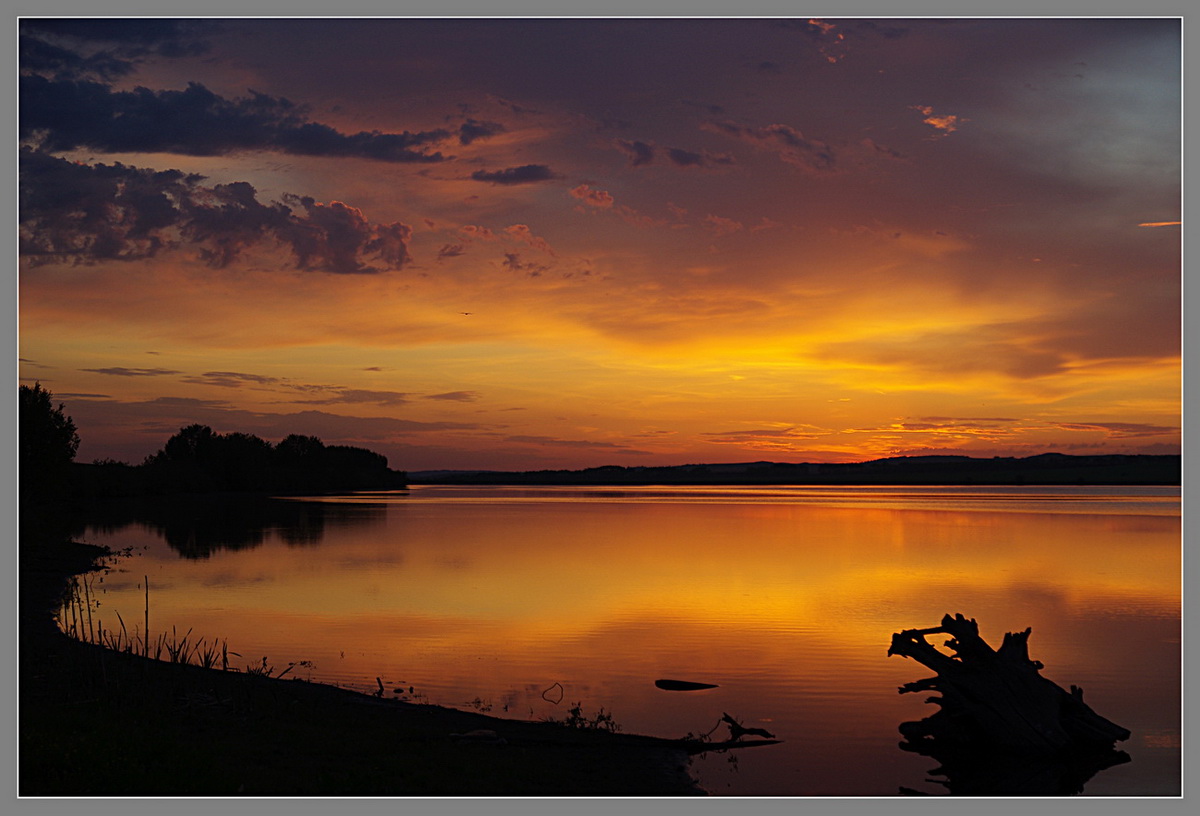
[{"x": 529, "y": 265}]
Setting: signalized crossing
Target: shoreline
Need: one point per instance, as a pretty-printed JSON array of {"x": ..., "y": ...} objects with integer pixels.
[{"x": 95, "y": 722}]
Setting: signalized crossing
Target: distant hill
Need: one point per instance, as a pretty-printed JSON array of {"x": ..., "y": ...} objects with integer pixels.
[{"x": 1044, "y": 469}]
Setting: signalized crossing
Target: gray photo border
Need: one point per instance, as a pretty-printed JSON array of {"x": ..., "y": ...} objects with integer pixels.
[{"x": 613, "y": 8}]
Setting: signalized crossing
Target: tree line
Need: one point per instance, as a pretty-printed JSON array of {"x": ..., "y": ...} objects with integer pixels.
[{"x": 197, "y": 459}]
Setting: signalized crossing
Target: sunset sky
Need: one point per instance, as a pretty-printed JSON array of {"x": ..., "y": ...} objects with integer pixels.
[{"x": 524, "y": 244}]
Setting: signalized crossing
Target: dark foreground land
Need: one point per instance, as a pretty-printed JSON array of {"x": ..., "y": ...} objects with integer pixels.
[{"x": 94, "y": 722}]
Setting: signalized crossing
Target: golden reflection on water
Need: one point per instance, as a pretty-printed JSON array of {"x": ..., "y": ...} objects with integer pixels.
[{"x": 788, "y": 606}]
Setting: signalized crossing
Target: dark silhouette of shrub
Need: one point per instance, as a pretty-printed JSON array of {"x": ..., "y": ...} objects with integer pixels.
[
  {"x": 199, "y": 460},
  {"x": 48, "y": 442}
]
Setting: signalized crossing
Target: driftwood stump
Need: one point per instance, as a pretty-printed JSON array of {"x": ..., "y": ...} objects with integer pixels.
[
  {"x": 995, "y": 706},
  {"x": 998, "y": 696}
]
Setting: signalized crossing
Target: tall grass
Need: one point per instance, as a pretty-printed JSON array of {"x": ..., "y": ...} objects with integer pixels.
[{"x": 76, "y": 620}]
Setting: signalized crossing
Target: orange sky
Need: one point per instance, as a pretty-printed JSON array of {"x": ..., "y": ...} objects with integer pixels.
[{"x": 521, "y": 244}]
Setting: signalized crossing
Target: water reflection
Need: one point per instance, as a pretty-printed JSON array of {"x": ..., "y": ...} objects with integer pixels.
[
  {"x": 976, "y": 772},
  {"x": 198, "y": 526},
  {"x": 487, "y": 596}
]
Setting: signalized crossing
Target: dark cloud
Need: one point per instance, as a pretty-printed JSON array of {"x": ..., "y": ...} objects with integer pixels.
[
  {"x": 87, "y": 213},
  {"x": 512, "y": 260},
  {"x": 230, "y": 379},
  {"x": 132, "y": 372},
  {"x": 334, "y": 235},
  {"x": 327, "y": 394},
  {"x": 472, "y": 129},
  {"x": 105, "y": 49},
  {"x": 455, "y": 396},
  {"x": 639, "y": 153},
  {"x": 61, "y": 115},
  {"x": 41, "y": 57},
  {"x": 525, "y": 174},
  {"x": 686, "y": 158},
  {"x": 98, "y": 212},
  {"x": 643, "y": 153},
  {"x": 136, "y": 36},
  {"x": 451, "y": 251},
  {"x": 790, "y": 144}
]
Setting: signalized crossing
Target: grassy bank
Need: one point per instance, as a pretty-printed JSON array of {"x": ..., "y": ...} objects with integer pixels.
[{"x": 94, "y": 722}]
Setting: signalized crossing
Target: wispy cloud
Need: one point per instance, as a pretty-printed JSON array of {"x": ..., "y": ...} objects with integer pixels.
[
  {"x": 355, "y": 396},
  {"x": 780, "y": 440},
  {"x": 120, "y": 371},
  {"x": 525, "y": 174},
  {"x": 1121, "y": 430},
  {"x": 572, "y": 443},
  {"x": 639, "y": 153},
  {"x": 230, "y": 379},
  {"x": 789, "y": 144},
  {"x": 455, "y": 396},
  {"x": 600, "y": 199}
]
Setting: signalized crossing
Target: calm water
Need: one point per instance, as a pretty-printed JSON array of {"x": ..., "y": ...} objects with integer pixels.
[{"x": 507, "y": 599}]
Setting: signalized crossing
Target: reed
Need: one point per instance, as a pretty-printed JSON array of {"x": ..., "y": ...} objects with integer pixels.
[
  {"x": 600, "y": 721},
  {"x": 214, "y": 654},
  {"x": 87, "y": 597},
  {"x": 146, "y": 640},
  {"x": 207, "y": 656},
  {"x": 178, "y": 650}
]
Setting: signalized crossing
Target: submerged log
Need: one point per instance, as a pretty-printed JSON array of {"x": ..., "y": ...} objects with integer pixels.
[
  {"x": 682, "y": 685},
  {"x": 995, "y": 698}
]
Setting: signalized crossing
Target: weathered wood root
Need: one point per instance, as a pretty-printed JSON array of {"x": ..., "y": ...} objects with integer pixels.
[{"x": 997, "y": 697}]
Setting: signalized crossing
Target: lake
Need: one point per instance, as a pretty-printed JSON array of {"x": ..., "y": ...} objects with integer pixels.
[{"x": 521, "y": 602}]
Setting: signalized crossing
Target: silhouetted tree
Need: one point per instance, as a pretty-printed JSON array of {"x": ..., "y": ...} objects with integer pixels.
[
  {"x": 297, "y": 451},
  {"x": 241, "y": 461},
  {"x": 192, "y": 444},
  {"x": 48, "y": 442}
]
